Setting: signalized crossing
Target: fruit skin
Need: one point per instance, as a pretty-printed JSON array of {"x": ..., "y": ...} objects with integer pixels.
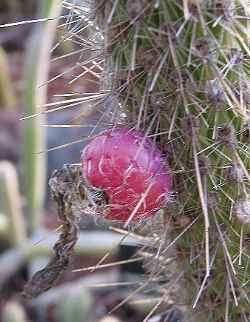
[{"x": 128, "y": 167}]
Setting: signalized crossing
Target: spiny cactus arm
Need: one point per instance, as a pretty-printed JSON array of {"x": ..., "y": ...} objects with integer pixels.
[{"x": 186, "y": 63}]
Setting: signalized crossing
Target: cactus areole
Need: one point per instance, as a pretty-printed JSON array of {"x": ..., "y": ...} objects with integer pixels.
[{"x": 130, "y": 169}]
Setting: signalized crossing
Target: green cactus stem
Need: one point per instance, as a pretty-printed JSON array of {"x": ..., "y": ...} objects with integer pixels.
[
  {"x": 7, "y": 94},
  {"x": 13, "y": 312},
  {"x": 37, "y": 68},
  {"x": 11, "y": 205},
  {"x": 74, "y": 306},
  {"x": 185, "y": 65}
]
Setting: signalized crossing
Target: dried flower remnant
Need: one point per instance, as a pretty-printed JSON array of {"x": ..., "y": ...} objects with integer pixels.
[
  {"x": 129, "y": 168},
  {"x": 73, "y": 197}
]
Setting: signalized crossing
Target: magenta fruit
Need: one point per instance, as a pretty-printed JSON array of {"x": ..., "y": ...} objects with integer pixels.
[{"x": 129, "y": 168}]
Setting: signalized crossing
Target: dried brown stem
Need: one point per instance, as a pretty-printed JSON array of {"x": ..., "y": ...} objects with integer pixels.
[{"x": 60, "y": 184}]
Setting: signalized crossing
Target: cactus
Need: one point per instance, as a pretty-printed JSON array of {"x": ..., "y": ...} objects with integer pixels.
[
  {"x": 7, "y": 94},
  {"x": 74, "y": 306},
  {"x": 180, "y": 70},
  {"x": 38, "y": 54},
  {"x": 13, "y": 312},
  {"x": 11, "y": 205}
]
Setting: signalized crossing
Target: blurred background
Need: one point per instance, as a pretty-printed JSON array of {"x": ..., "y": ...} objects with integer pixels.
[{"x": 47, "y": 69}]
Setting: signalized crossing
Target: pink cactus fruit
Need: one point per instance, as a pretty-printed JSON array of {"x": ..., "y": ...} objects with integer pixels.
[{"x": 129, "y": 168}]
